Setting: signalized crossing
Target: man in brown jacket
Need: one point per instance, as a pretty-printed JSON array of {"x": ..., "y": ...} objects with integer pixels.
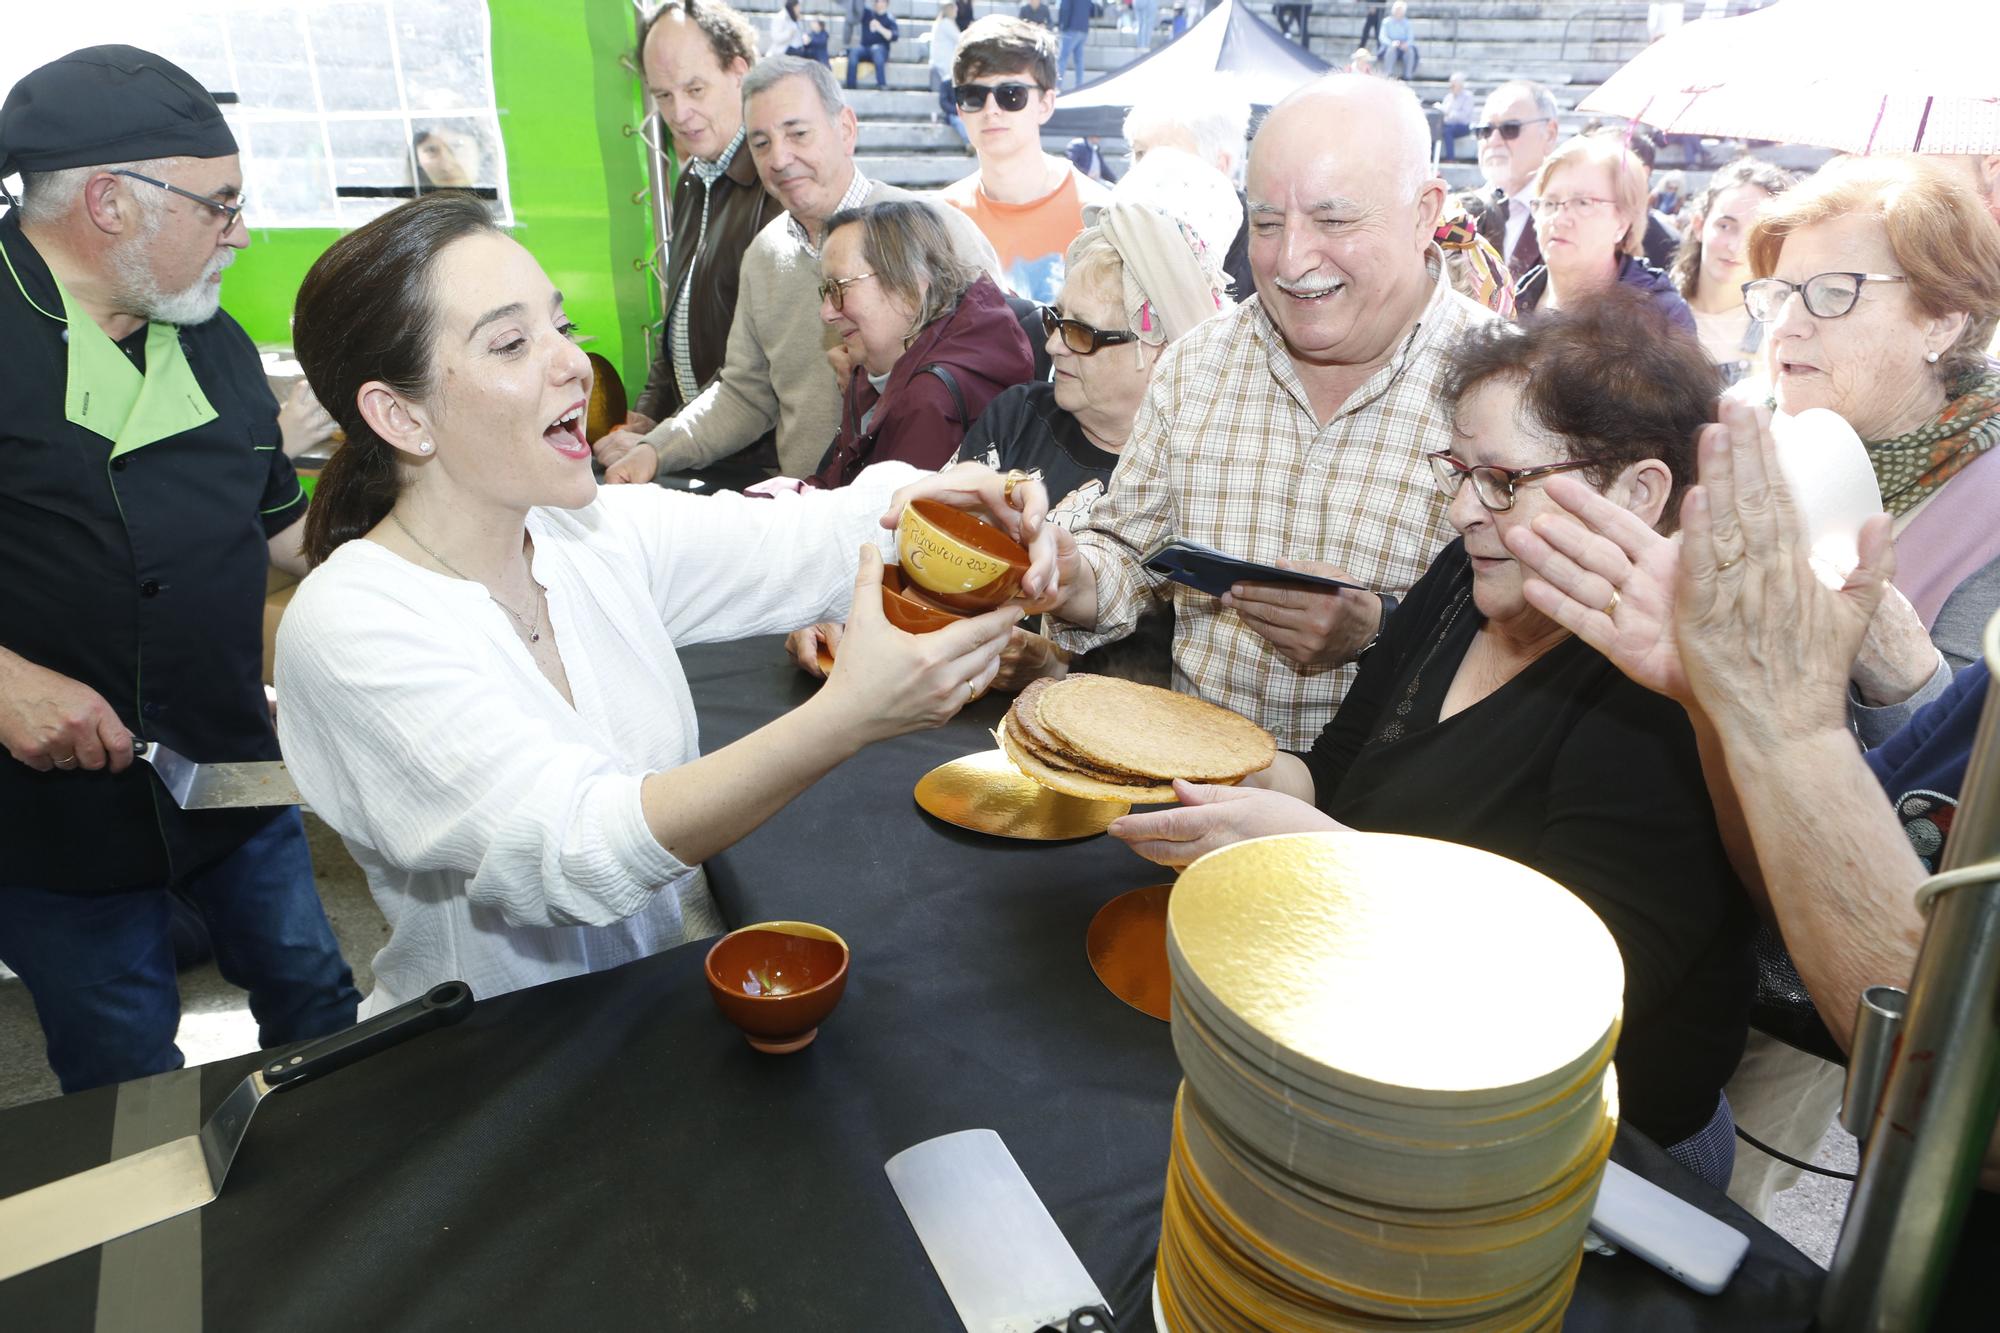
[{"x": 695, "y": 54}]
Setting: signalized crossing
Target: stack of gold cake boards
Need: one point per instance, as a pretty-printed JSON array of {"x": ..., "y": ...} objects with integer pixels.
[{"x": 1398, "y": 1098}]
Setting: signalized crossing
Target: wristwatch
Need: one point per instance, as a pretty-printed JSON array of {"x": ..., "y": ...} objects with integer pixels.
[{"x": 1389, "y": 604}]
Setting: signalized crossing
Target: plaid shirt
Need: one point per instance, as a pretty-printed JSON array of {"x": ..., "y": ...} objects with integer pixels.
[
  {"x": 857, "y": 194},
  {"x": 1226, "y": 451}
]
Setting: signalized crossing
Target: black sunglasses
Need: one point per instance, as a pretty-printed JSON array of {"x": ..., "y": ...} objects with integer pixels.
[
  {"x": 1011, "y": 96},
  {"x": 1079, "y": 337},
  {"x": 1508, "y": 130}
]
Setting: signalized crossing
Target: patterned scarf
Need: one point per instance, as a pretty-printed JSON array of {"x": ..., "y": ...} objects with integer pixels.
[
  {"x": 1477, "y": 270},
  {"x": 1910, "y": 467}
]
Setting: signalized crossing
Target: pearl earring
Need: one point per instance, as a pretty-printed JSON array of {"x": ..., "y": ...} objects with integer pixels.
[
  {"x": 426, "y": 446},
  {"x": 1931, "y": 357}
]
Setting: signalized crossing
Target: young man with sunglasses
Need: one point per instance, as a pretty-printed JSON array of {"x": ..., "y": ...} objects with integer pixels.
[
  {"x": 1028, "y": 202},
  {"x": 146, "y": 496},
  {"x": 1515, "y": 133}
]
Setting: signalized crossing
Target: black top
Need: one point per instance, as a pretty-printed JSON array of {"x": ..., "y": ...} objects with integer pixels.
[
  {"x": 143, "y": 577},
  {"x": 1574, "y": 770},
  {"x": 1024, "y": 428}
]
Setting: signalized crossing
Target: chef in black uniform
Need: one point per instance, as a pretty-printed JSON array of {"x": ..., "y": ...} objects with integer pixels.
[{"x": 143, "y": 493}]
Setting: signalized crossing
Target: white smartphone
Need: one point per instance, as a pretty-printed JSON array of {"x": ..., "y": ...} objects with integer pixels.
[{"x": 1666, "y": 1231}]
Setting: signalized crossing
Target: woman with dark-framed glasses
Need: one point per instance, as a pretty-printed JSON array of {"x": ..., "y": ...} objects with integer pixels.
[
  {"x": 1878, "y": 281},
  {"x": 1478, "y": 720},
  {"x": 1590, "y": 215}
]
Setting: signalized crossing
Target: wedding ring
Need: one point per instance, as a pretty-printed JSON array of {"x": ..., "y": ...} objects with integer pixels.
[
  {"x": 1728, "y": 563},
  {"x": 66, "y": 763},
  {"x": 1612, "y": 608},
  {"x": 971, "y": 691}
]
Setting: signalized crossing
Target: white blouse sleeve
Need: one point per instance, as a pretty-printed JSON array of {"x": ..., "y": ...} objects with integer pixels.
[
  {"x": 731, "y": 566},
  {"x": 400, "y": 739}
]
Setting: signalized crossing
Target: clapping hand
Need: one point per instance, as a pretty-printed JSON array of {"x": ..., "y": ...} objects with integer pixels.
[{"x": 1766, "y": 646}]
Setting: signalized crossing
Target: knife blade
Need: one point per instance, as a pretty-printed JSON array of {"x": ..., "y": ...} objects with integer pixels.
[
  {"x": 218, "y": 786},
  {"x": 64, "y": 1217},
  {"x": 1002, "y": 1258}
]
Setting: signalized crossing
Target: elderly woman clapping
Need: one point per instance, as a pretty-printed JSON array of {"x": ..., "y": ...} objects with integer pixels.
[
  {"x": 1478, "y": 719},
  {"x": 1879, "y": 284}
]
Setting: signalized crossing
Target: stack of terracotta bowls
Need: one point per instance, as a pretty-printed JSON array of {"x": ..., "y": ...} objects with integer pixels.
[{"x": 1399, "y": 1096}]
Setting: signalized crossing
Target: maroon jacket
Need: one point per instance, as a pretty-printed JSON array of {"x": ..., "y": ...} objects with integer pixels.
[{"x": 978, "y": 343}]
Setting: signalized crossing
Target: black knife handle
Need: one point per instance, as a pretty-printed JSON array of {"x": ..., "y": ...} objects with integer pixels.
[
  {"x": 444, "y": 1005},
  {"x": 1083, "y": 1319}
]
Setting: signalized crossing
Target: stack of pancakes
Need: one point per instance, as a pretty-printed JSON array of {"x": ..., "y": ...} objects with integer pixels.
[{"x": 1106, "y": 739}]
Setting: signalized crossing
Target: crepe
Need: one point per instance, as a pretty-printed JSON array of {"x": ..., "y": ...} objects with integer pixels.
[{"x": 1101, "y": 738}]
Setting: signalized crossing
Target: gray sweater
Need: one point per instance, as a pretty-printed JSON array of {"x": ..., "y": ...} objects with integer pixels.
[{"x": 775, "y": 371}]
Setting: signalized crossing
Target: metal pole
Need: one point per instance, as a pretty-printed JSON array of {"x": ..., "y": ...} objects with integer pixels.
[{"x": 1937, "y": 1112}]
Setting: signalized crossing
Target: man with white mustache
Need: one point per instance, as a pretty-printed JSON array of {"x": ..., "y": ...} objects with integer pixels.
[
  {"x": 1292, "y": 429},
  {"x": 802, "y": 135},
  {"x": 146, "y": 494}
]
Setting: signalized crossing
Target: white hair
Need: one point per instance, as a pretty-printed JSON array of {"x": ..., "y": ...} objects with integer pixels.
[
  {"x": 1217, "y": 121},
  {"x": 47, "y": 195}
]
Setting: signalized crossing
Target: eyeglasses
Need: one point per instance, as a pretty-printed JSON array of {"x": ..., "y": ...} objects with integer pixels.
[
  {"x": 835, "y": 289},
  {"x": 1508, "y": 130},
  {"x": 1080, "y": 337},
  {"x": 229, "y": 212},
  {"x": 1827, "y": 295},
  {"x": 1583, "y": 205},
  {"x": 1011, "y": 96},
  {"x": 1493, "y": 487}
]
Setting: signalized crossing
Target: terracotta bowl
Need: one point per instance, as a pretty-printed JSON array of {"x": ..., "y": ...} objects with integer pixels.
[
  {"x": 960, "y": 559},
  {"x": 909, "y": 609},
  {"x": 777, "y": 981}
]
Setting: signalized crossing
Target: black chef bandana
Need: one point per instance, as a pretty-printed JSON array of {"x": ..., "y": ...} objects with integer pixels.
[{"x": 108, "y": 104}]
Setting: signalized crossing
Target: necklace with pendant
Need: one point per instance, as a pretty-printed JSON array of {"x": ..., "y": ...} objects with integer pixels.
[{"x": 534, "y": 631}]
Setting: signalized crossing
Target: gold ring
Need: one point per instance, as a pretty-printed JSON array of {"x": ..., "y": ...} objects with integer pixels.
[
  {"x": 1014, "y": 479},
  {"x": 1612, "y": 608},
  {"x": 65, "y": 763},
  {"x": 971, "y": 691},
  {"x": 1728, "y": 563}
]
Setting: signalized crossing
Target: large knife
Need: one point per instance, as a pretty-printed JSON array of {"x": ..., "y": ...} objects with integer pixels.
[
  {"x": 1002, "y": 1258},
  {"x": 63, "y": 1217},
  {"x": 218, "y": 786}
]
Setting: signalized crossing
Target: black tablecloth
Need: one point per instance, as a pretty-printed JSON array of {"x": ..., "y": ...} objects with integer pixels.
[{"x": 606, "y": 1152}]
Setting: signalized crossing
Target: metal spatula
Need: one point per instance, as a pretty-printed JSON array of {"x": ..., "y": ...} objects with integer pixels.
[
  {"x": 218, "y": 786},
  {"x": 63, "y": 1217},
  {"x": 1002, "y": 1258}
]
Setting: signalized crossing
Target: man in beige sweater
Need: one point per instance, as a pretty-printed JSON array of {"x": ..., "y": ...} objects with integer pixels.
[{"x": 775, "y": 372}]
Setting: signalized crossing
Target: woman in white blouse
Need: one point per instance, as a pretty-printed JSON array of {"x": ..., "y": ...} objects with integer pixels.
[{"x": 480, "y": 687}]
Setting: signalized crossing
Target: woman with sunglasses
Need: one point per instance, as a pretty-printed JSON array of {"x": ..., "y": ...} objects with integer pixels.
[
  {"x": 1476, "y": 719},
  {"x": 930, "y": 338},
  {"x": 1878, "y": 282},
  {"x": 1590, "y": 214},
  {"x": 1136, "y": 280}
]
